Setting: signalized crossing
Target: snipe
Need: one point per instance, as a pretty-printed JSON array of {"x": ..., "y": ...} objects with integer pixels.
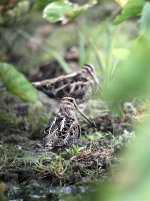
[
  {"x": 65, "y": 129},
  {"x": 79, "y": 85}
]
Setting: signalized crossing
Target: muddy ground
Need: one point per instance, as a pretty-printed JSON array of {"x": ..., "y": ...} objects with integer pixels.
[{"x": 26, "y": 168}]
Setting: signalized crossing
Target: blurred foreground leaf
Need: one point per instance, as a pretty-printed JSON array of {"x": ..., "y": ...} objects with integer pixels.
[
  {"x": 17, "y": 84},
  {"x": 134, "y": 176},
  {"x": 130, "y": 9},
  {"x": 131, "y": 182}
]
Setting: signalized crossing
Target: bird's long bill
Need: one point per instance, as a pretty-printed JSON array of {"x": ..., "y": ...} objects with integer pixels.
[
  {"x": 84, "y": 116},
  {"x": 96, "y": 80}
]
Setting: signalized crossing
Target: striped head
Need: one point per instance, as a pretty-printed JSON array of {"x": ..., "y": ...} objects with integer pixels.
[
  {"x": 68, "y": 102},
  {"x": 89, "y": 68},
  {"x": 91, "y": 71}
]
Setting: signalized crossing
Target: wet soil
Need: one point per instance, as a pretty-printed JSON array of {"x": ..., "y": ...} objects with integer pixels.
[{"x": 28, "y": 170}]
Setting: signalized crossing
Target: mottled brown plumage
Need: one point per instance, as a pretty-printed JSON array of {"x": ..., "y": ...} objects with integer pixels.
[
  {"x": 65, "y": 128},
  {"x": 78, "y": 85}
]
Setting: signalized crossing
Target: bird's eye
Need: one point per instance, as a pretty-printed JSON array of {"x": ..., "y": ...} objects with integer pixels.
[{"x": 71, "y": 100}]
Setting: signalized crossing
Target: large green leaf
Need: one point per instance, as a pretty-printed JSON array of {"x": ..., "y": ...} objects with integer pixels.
[
  {"x": 131, "y": 181},
  {"x": 17, "y": 84},
  {"x": 131, "y": 8},
  {"x": 64, "y": 11},
  {"x": 56, "y": 11}
]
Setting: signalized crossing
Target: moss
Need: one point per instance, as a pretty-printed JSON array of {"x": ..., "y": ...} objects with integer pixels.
[{"x": 6, "y": 120}]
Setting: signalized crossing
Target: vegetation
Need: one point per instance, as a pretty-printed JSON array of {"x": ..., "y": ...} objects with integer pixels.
[{"x": 118, "y": 45}]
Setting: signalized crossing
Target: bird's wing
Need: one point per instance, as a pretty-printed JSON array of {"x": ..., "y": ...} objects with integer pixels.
[
  {"x": 73, "y": 132},
  {"x": 49, "y": 85}
]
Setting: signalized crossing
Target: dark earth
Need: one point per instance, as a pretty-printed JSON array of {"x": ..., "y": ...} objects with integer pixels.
[{"x": 30, "y": 172}]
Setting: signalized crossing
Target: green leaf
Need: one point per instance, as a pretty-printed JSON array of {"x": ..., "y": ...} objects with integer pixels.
[
  {"x": 56, "y": 11},
  {"x": 64, "y": 10},
  {"x": 17, "y": 84},
  {"x": 41, "y": 4},
  {"x": 132, "y": 8}
]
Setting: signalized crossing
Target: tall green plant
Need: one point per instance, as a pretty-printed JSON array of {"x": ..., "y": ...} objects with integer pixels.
[{"x": 132, "y": 79}]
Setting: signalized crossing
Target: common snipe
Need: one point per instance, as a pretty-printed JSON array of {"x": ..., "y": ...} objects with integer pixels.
[
  {"x": 78, "y": 85},
  {"x": 65, "y": 128}
]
